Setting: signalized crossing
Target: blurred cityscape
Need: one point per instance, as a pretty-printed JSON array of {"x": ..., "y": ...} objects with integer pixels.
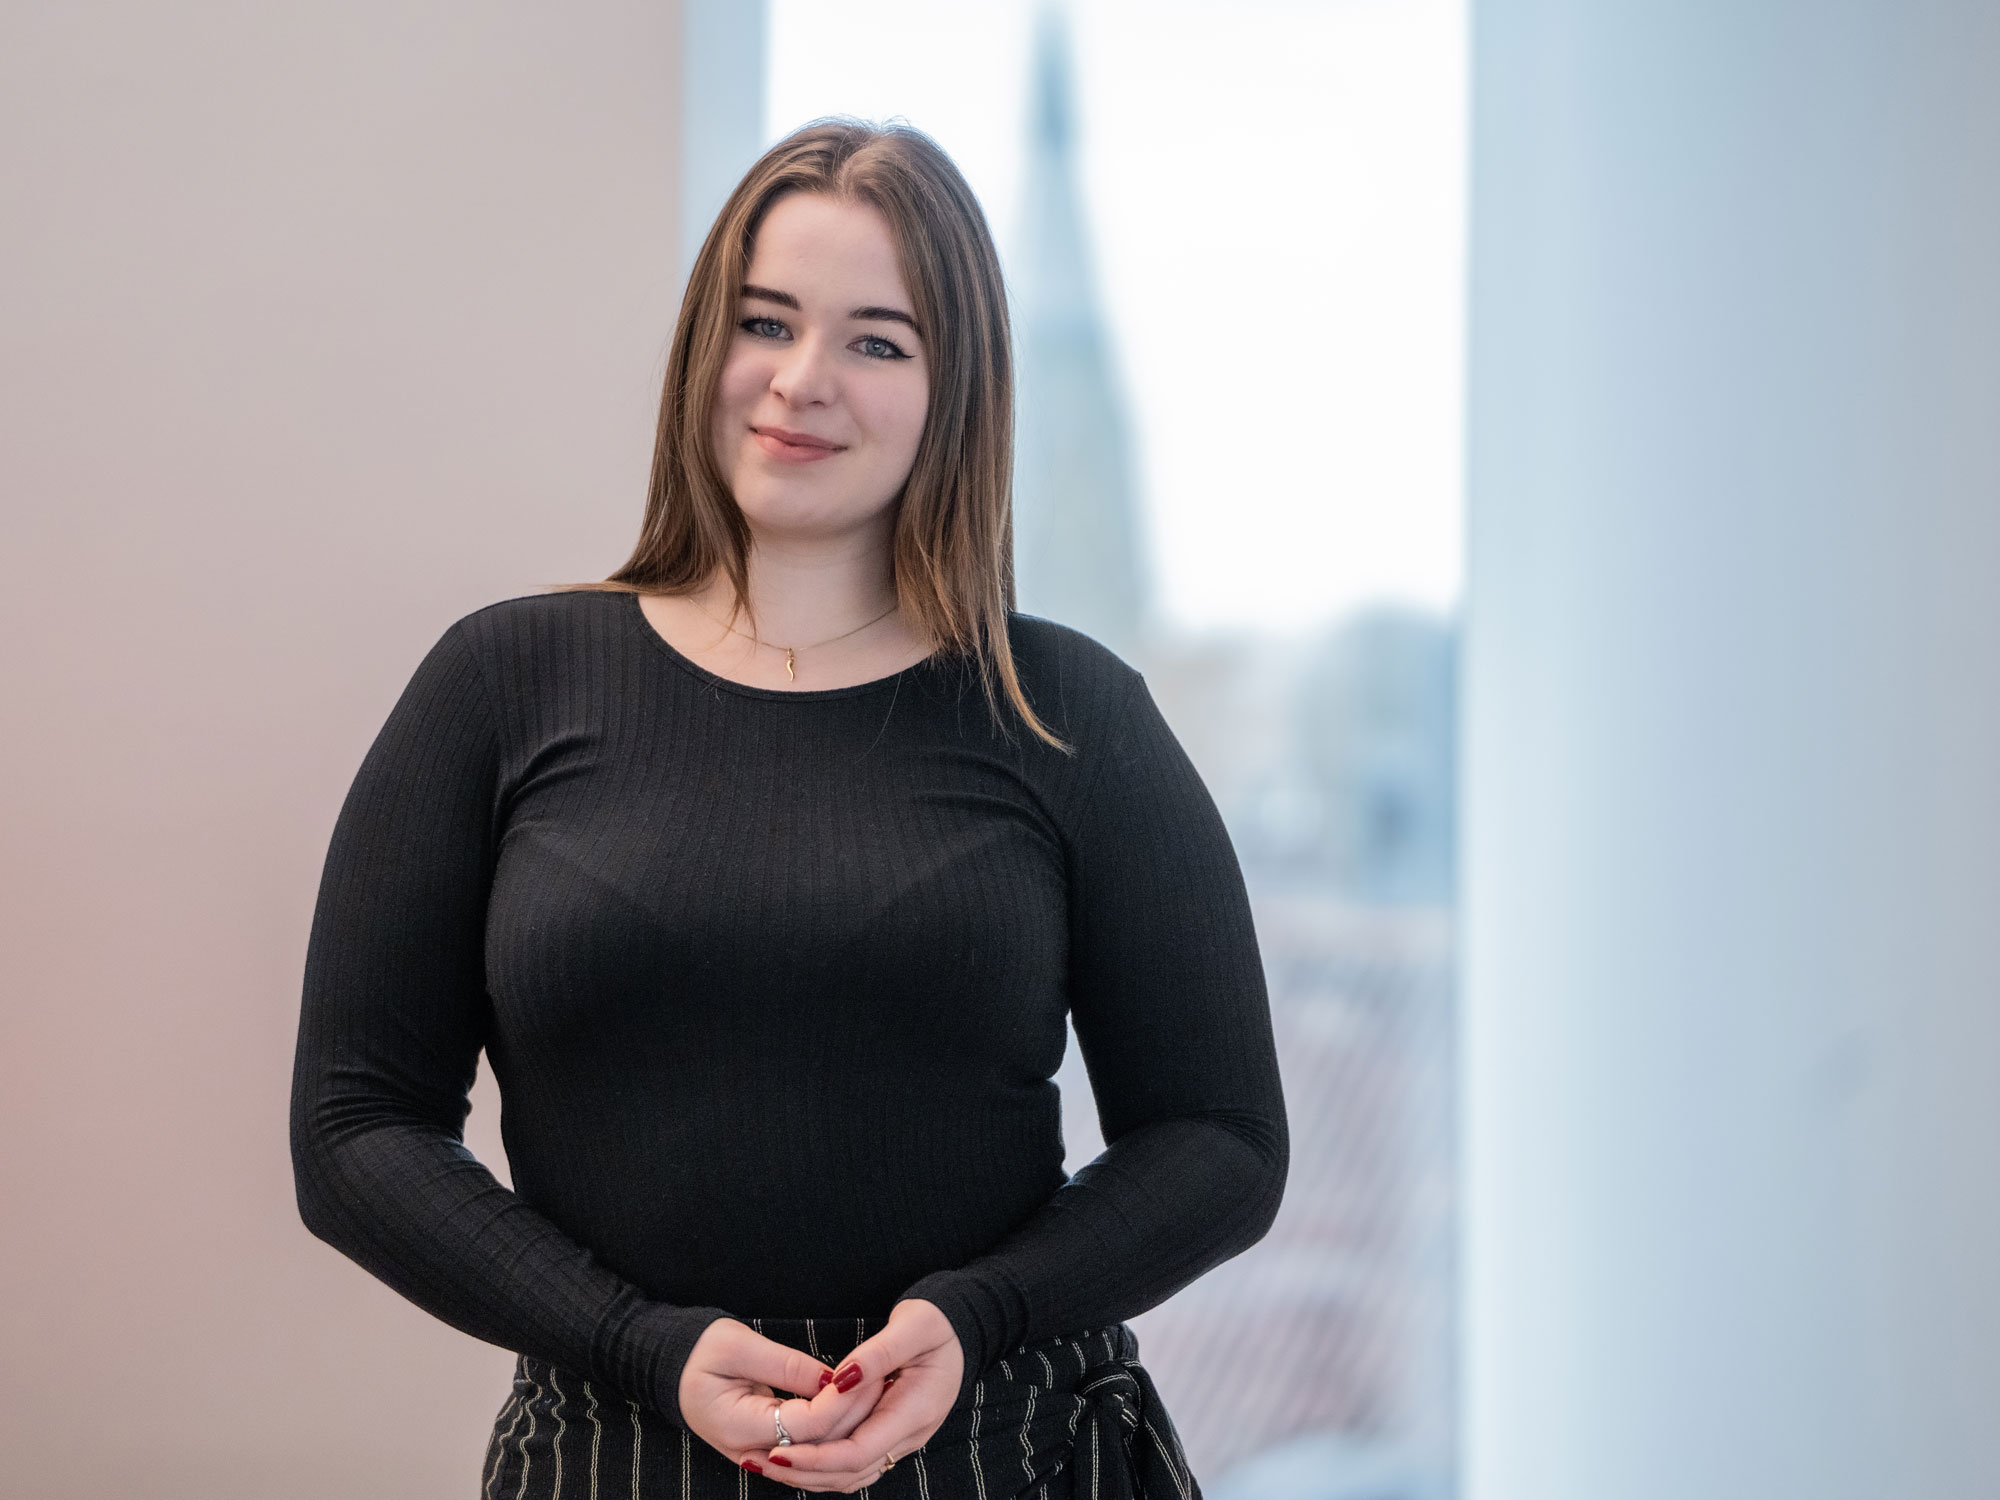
[{"x": 1319, "y": 1363}]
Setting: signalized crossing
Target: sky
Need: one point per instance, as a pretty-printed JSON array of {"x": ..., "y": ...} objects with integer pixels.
[{"x": 1276, "y": 196}]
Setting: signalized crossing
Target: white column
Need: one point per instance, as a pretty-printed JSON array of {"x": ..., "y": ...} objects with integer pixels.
[{"x": 1732, "y": 841}]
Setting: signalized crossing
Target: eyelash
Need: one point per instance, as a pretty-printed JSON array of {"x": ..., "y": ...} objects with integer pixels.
[{"x": 900, "y": 353}]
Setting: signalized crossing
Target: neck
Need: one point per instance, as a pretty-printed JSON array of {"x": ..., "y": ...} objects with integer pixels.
[{"x": 801, "y": 594}]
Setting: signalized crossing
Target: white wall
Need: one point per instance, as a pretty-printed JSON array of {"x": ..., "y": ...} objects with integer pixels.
[{"x": 1733, "y": 751}]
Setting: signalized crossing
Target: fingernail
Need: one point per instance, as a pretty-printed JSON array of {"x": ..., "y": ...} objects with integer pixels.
[
  {"x": 781, "y": 1461},
  {"x": 847, "y": 1379},
  {"x": 753, "y": 1466},
  {"x": 824, "y": 1377}
]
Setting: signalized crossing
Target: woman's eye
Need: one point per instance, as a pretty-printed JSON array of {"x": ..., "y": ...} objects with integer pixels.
[
  {"x": 767, "y": 328},
  {"x": 877, "y": 347}
]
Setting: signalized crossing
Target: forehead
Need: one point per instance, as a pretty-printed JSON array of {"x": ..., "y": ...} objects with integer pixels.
[{"x": 816, "y": 247}]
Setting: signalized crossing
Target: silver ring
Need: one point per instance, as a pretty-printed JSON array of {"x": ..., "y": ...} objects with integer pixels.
[{"x": 784, "y": 1437}]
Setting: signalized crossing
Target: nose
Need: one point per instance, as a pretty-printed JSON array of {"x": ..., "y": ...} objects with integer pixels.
[{"x": 805, "y": 374}]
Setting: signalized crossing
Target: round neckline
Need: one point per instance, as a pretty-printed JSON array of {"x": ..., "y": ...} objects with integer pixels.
[{"x": 637, "y": 616}]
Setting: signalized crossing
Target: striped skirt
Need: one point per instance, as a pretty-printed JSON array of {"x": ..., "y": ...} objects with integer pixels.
[{"x": 1068, "y": 1418}]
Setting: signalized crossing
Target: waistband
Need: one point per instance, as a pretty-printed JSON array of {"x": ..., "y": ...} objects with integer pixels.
[
  {"x": 1072, "y": 1415},
  {"x": 827, "y": 1339}
]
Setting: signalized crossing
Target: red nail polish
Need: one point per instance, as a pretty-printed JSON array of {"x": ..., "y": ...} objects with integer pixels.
[
  {"x": 753, "y": 1466},
  {"x": 847, "y": 1379},
  {"x": 824, "y": 1377},
  {"x": 781, "y": 1461}
]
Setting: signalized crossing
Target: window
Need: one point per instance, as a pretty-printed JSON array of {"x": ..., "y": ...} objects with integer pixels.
[{"x": 1234, "y": 242}]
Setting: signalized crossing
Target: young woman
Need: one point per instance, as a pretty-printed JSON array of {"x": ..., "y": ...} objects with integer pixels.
[{"x": 766, "y": 872}]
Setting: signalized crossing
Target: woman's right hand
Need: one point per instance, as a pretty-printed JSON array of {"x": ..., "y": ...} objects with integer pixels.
[{"x": 732, "y": 1381}]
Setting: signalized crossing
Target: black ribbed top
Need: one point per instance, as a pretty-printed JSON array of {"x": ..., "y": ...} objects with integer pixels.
[{"x": 773, "y": 986}]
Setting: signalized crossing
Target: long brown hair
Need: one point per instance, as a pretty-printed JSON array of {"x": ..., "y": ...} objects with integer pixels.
[{"x": 953, "y": 549}]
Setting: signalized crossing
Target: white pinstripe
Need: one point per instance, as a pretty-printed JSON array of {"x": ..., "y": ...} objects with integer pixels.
[
  {"x": 923, "y": 1476},
  {"x": 1174, "y": 1469},
  {"x": 561, "y": 1428},
  {"x": 634, "y": 1408},
  {"x": 500, "y": 1443},
  {"x": 596, "y": 1436},
  {"x": 1076, "y": 1407},
  {"x": 687, "y": 1466},
  {"x": 812, "y": 1342},
  {"x": 1048, "y": 1369},
  {"x": 1028, "y": 1448},
  {"x": 522, "y": 1488},
  {"x": 978, "y": 1476}
]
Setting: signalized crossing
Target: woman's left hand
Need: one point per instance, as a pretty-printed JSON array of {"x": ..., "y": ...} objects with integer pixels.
[{"x": 888, "y": 1396}]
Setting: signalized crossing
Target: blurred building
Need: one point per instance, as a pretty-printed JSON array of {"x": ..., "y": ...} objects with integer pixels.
[
  {"x": 1318, "y": 1364},
  {"x": 1370, "y": 801},
  {"x": 1324, "y": 1356},
  {"x": 1077, "y": 548}
]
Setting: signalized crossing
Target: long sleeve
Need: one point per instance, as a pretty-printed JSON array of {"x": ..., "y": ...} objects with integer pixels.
[
  {"x": 1167, "y": 996},
  {"x": 394, "y": 1014}
]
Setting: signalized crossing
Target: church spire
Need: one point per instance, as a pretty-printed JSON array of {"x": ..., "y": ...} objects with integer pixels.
[{"x": 1076, "y": 540}]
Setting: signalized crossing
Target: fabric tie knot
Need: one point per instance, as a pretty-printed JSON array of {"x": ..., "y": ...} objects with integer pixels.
[{"x": 1121, "y": 1453}]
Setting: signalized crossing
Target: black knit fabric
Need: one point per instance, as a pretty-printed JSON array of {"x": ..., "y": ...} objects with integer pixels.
[{"x": 773, "y": 985}]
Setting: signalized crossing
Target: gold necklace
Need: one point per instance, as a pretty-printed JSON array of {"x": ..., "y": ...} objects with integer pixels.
[{"x": 791, "y": 651}]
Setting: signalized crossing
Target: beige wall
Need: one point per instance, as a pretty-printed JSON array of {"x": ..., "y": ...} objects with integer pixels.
[{"x": 324, "y": 324}]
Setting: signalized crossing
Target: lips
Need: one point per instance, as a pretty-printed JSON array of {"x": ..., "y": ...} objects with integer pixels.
[{"x": 797, "y": 439}]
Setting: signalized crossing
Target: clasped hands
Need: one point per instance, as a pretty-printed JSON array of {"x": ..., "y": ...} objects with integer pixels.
[{"x": 883, "y": 1402}]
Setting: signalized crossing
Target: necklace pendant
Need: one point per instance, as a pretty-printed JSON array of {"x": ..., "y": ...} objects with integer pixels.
[{"x": 788, "y": 665}]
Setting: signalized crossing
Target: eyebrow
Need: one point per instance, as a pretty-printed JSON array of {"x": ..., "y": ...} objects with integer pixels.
[{"x": 864, "y": 314}]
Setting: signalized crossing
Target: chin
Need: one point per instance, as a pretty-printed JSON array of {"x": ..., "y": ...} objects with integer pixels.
[
  {"x": 804, "y": 499},
  {"x": 802, "y": 507}
]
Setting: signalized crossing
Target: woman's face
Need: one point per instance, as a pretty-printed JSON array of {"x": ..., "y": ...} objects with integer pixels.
[{"x": 825, "y": 386}]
